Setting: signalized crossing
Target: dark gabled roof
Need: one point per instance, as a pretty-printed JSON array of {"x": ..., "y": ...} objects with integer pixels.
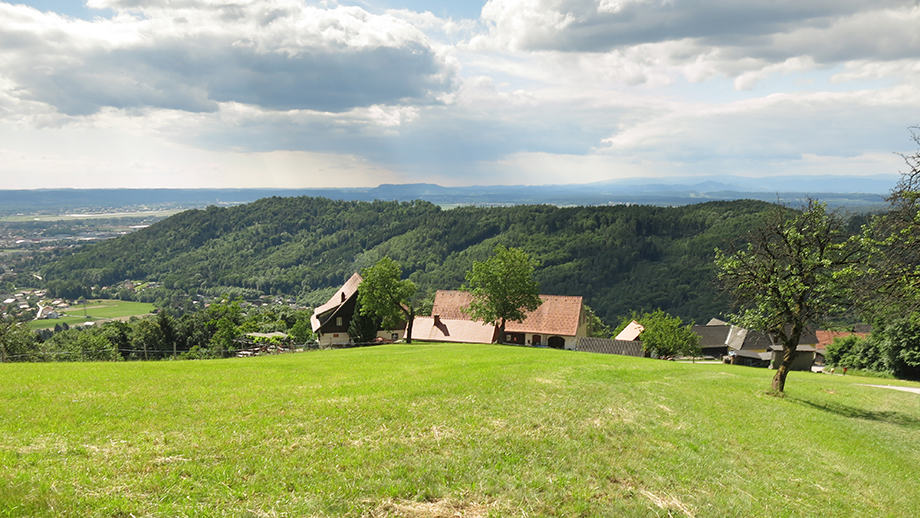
[
  {"x": 765, "y": 356},
  {"x": 801, "y": 348},
  {"x": 343, "y": 295},
  {"x": 756, "y": 341},
  {"x": 713, "y": 335}
]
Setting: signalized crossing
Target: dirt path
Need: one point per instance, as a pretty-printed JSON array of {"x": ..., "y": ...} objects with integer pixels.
[{"x": 915, "y": 390}]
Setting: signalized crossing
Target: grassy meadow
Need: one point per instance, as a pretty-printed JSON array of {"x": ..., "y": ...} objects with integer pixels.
[
  {"x": 96, "y": 309},
  {"x": 450, "y": 430}
]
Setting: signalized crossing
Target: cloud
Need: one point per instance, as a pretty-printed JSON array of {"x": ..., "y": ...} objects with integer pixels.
[
  {"x": 602, "y": 25},
  {"x": 772, "y": 129},
  {"x": 193, "y": 55},
  {"x": 701, "y": 38}
]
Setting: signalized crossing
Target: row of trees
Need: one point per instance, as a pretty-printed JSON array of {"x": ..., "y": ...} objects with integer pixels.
[{"x": 213, "y": 332}]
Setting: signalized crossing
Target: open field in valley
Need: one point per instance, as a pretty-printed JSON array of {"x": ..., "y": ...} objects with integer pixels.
[
  {"x": 96, "y": 310},
  {"x": 450, "y": 430}
]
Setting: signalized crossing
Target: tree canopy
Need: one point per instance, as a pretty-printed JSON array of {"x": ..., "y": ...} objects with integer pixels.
[
  {"x": 797, "y": 269},
  {"x": 503, "y": 288},
  {"x": 664, "y": 335},
  {"x": 384, "y": 294}
]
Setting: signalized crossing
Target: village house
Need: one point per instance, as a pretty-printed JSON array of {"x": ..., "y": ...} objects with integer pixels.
[
  {"x": 752, "y": 348},
  {"x": 330, "y": 321},
  {"x": 557, "y": 323}
]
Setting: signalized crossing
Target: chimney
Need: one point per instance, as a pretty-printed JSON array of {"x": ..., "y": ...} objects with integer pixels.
[
  {"x": 437, "y": 319},
  {"x": 343, "y": 296}
]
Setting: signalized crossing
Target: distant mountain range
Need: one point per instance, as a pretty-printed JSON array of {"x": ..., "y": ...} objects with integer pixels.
[{"x": 858, "y": 193}]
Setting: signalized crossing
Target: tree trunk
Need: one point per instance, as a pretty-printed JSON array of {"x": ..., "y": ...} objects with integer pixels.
[
  {"x": 409, "y": 325},
  {"x": 779, "y": 380},
  {"x": 501, "y": 332}
]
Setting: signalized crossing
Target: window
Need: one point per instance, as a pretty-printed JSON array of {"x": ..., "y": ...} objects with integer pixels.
[{"x": 338, "y": 321}]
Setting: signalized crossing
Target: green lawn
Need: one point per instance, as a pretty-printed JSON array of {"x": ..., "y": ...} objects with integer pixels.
[
  {"x": 450, "y": 430},
  {"x": 101, "y": 309}
]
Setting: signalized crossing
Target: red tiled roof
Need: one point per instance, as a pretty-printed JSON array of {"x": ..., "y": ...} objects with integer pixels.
[
  {"x": 466, "y": 331},
  {"x": 826, "y": 337},
  {"x": 557, "y": 315}
]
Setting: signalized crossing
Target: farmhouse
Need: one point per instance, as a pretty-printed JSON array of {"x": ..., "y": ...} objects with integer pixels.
[
  {"x": 752, "y": 348},
  {"x": 557, "y": 323},
  {"x": 330, "y": 321}
]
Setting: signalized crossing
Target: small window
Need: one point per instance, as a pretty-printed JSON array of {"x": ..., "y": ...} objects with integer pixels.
[
  {"x": 338, "y": 321},
  {"x": 394, "y": 336}
]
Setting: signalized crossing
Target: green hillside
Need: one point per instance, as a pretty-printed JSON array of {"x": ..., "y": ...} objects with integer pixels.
[
  {"x": 450, "y": 430},
  {"x": 619, "y": 258}
]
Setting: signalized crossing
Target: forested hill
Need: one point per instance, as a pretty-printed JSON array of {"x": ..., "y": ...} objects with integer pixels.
[{"x": 620, "y": 258}]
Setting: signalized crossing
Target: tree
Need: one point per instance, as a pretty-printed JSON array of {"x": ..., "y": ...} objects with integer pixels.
[
  {"x": 17, "y": 343},
  {"x": 891, "y": 287},
  {"x": 596, "y": 327},
  {"x": 503, "y": 288},
  {"x": 363, "y": 326},
  {"x": 383, "y": 294},
  {"x": 797, "y": 269},
  {"x": 664, "y": 335}
]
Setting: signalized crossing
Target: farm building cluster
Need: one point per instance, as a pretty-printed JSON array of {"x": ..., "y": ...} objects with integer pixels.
[{"x": 560, "y": 322}]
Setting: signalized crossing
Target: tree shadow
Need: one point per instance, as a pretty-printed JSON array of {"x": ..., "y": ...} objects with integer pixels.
[{"x": 890, "y": 417}]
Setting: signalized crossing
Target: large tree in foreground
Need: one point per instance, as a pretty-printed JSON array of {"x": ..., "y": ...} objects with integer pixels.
[
  {"x": 383, "y": 294},
  {"x": 891, "y": 288},
  {"x": 797, "y": 269},
  {"x": 503, "y": 288}
]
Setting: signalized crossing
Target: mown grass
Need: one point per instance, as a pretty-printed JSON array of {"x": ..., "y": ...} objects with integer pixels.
[
  {"x": 450, "y": 430},
  {"x": 101, "y": 309}
]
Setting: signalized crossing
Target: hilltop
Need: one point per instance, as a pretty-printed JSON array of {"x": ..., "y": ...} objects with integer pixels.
[{"x": 620, "y": 258}]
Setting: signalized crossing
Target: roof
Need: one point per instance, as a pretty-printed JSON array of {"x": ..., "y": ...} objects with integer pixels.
[
  {"x": 347, "y": 291},
  {"x": 713, "y": 335},
  {"x": 557, "y": 315},
  {"x": 752, "y": 354},
  {"x": 826, "y": 337},
  {"x": 452, "y": 330},
  {"x": 630, "y": 332},
  {"x": 801, "y": 348}
]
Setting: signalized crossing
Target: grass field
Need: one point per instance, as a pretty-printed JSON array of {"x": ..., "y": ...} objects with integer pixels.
[
  {"x": 450, "y": 430},
  {"x": 101, "y": 309}
]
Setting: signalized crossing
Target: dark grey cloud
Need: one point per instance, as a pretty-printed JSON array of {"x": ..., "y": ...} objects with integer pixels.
[
  {"x": 284, "y": 60},
  {"x": 602, "y": 25}
]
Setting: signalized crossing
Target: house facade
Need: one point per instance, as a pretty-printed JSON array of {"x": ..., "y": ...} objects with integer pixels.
[
  {"x": 331, "y": 321},
  {"x": 557, "y": 323}
]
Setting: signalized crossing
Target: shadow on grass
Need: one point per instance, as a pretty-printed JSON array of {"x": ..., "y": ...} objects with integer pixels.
[{"x": 896, "y": 418}]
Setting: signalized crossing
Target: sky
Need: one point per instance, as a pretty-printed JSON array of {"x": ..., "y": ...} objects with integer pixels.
[{"x": 299, "y": 94}]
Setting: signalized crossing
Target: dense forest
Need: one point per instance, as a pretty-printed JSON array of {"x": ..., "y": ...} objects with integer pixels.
[{"x": 620, "y": 258}]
